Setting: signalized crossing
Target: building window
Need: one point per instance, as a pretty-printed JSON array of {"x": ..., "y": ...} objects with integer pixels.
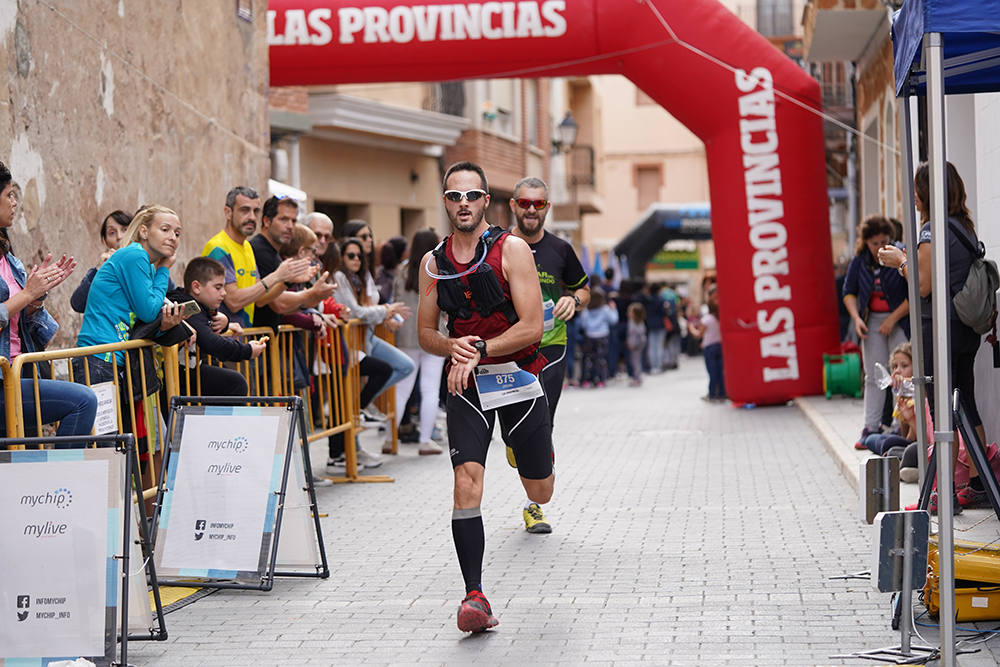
[
  {"x": 870, "y": 169},
  {"x": 501, "y": 105},
  {"x": 648, "y": 179},
  {"x": 775, "y": 18},
  {"x": 244, "y": 9},
  {"x": 531, "y": 110},
  {"x": 889, "y": 159}
]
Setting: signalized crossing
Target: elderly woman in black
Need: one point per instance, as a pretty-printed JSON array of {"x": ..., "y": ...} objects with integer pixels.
[{"x": 964, "y": 341}]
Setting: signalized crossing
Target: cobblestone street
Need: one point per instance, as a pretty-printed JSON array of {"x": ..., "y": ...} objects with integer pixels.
[{"x": 685, "y": 533}]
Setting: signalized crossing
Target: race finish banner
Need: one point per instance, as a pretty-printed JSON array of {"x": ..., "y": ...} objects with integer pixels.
[
  {"x": 222, "y": 504},
  {"x": 66, "y": 518}
]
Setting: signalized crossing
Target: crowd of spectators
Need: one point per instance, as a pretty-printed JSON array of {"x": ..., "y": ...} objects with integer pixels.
[
  {"x": 265, "y": 268},
  {"x": 262, "y": 269},
  {"x": 639, "y": 327},
  {"x": 874, "y": 293}
]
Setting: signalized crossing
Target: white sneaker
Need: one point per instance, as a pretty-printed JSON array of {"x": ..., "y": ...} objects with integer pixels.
[
  {"x": 367, "y": 459},
  {"x": 319, "y": 480},
  {"x": 372, "y": 415},
  {"x": 429, "y": 447}
]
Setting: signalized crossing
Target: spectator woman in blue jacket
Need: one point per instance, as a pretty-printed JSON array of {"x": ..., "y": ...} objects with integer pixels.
[
  {"x": 25, "y": 326},
  {"x": 131, "y": 287},
  {"x": 876, "y": 299}
]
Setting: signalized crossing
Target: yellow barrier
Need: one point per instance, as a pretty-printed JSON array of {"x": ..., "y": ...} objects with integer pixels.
[
  {"x": 331, "y": 402},
  {"x": 12, "y": 373},
  {"x": 386, "y": 402},
  {"x": 331, "y": 361}
]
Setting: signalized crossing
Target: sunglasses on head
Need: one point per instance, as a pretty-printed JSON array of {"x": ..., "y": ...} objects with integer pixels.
[
  {"x": 352, "y": 255},
  {"x": 539, "y": 204},
  {"x": 469, "y": 195}
]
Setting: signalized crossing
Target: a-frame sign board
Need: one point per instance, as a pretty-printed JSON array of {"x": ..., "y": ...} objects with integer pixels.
[
  {"x": 234, "y": 476},
  {"x": 69, "y": 547}
]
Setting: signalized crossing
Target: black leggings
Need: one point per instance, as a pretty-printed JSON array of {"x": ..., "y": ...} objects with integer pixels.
[
  {"x": 377, "y": 372},
  {"x": 964, "y": 345},
  {"x": 215, "y": 381}
]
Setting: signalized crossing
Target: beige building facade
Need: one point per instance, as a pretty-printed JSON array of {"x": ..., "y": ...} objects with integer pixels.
[
  {"x": 87, "y": 127},
  {"x": 377, "y": 152}
]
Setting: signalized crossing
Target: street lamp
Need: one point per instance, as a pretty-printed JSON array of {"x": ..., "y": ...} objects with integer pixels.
[{"x": 566, "y": 133}]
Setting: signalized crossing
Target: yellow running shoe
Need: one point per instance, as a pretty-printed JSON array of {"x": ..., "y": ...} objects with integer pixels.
[
  {"x": 534, "y": 520},
  {"x": 511, "y": 459}
]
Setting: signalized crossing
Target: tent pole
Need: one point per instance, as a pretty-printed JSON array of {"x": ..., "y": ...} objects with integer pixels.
[
  {"x": 910, "y": 231},
  {"x": 943, "y": 437}
]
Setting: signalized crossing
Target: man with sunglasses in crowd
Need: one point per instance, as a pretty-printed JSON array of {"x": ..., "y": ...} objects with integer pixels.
[
  {"x": 485, "y": 280},
  {"x": 564, "y": 292}
]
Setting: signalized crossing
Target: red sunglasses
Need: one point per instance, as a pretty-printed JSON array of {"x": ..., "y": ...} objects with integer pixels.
[{"x": 539, "y": 204}]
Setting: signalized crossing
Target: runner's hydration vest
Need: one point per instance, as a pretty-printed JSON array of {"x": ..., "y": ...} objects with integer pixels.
[{"x": 480, "y": 303}]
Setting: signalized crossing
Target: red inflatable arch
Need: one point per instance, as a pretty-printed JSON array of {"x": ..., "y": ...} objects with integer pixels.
[{"x": 742, "y": 97}]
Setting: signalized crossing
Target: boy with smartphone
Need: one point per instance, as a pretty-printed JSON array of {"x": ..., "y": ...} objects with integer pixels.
[{"x": 203, "y": 293}]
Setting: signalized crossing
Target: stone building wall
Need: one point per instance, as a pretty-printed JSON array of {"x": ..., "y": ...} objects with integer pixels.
[{"x": 111, "y": 106}]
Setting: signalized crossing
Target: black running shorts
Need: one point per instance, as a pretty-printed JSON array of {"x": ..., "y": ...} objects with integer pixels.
[{"x": 524, "y": 427}]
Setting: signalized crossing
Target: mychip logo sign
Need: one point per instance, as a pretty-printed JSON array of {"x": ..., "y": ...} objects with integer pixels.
[
  {"x": 59, "y": 498},
  {"x": 223, "y": 470},
  {"x": 58, "y": 572}
]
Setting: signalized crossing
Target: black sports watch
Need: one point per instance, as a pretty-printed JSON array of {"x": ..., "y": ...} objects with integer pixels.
[
  {"x": 576, "y": 300},
  {"x": 480, "y": 346}
]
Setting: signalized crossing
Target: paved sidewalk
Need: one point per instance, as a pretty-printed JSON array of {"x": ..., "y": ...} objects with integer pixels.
[
  {"x": 685, "y": 533},
  {"x": 837, "y": 421}
]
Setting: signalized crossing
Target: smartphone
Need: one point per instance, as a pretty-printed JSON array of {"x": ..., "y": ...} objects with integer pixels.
[{"x": 189, "y": 308}]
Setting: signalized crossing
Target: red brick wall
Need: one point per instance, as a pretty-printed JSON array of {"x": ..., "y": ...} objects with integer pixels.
[{"x": 504, "y": 160}]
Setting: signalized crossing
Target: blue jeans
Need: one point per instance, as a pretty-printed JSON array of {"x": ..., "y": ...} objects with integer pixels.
[
  {"x": 713, "y": 363},
  {"x": 401, "y": 364},
  {"x": 654, "y": 348},
  {"x": 72, "y": 405}
]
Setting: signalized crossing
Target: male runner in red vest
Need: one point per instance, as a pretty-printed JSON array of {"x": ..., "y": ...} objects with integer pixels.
[{"x": 486, "y": 281}]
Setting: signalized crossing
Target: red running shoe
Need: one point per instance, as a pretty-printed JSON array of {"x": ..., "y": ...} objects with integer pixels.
[{"x": 474, "y": 614}]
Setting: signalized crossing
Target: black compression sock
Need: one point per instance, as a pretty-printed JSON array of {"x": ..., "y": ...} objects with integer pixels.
[
  {"x": 976, "y": 483},
  {"x": 470, "y": 542}
]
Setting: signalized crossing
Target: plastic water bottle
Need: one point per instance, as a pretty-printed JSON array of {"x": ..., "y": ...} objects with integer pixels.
[{"x": 884, "y": 380}]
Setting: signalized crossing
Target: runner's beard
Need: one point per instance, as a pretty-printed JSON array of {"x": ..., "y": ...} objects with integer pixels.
[
  {"x": 468, "y": 226},
  {"x": 522, "y": 224}
]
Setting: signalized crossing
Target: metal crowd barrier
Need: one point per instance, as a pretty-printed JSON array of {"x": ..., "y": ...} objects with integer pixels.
[
  {"x": 386, "y": 402},
  {"x": 125, "y": 420},
  {"x": 331, "y": 394}
]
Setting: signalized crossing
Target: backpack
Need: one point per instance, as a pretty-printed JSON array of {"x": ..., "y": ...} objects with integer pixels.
[{"x": 976, "y": 302}]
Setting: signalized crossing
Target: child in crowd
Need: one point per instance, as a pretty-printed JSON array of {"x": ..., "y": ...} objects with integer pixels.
[
  {"x": 204, "y": 282},
  {"x": 894, "y": 443},
  {"x": 635, "y": 339},
  {"x": 596, "y": 322}
]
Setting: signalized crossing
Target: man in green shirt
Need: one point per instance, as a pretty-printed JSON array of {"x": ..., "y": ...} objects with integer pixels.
[{"x": 564, "y": 292}]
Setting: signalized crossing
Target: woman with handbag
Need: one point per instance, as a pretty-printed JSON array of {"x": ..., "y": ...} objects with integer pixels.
[
  {"x": 876, "y": 299},
  {"x": 25, "y": 326}
]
